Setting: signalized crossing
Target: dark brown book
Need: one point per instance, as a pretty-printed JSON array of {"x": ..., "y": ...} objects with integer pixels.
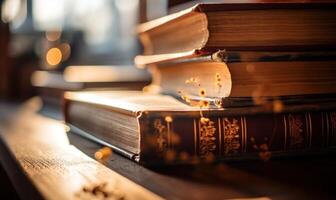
[
  {"x": 244, "y": 80},
  {"x": 157, "y": 129},
  {"x": 178, "y": 5},
  {"x": 242, "y": 26},
  {"x": 4, "y": 60},
  {"x": 236, "y": 56}
]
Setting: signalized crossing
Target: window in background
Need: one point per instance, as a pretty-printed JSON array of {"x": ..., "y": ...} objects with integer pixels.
[
  {"x": 98, "y": 32},
  {"x": 53, "y": 34},
  {"x": 106, "y": 27}
]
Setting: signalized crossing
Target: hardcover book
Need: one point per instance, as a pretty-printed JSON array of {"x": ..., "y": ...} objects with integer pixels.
[
  {"x": 294, "y": 79},
  {"x": 206, "y": 28},
  {"x": 158, "y": 129}
]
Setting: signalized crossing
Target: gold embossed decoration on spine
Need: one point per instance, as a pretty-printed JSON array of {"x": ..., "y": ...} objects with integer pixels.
[
  {"x": 231, "y": 136},
  {"x": 333, "y": 127},
  {"x": 207, "y": 138},
  {"x": 295, "y": 130},
  {"x": 161, "y": 136}
]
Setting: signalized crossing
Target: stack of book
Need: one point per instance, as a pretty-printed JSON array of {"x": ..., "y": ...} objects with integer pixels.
[{"x": 230, "y": 81}]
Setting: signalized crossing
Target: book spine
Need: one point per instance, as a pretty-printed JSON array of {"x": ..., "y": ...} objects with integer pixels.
[{"x": 183, "y": 139}]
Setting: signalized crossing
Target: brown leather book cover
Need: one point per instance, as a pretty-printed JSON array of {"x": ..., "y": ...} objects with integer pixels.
[
  {"x": 236, "y": 137},
  {"x": 209, "y": 27},
  {"x": 4, "y": 60},
  {"x": 170, "y": 132},
  {"x": 172, "y": 4}
]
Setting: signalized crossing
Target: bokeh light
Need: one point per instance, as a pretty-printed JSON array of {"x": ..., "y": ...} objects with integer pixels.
[{"x": 54, "y": 56}]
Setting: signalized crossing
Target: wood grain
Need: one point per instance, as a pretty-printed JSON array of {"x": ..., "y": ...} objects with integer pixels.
[
  {"x": 40, "y": 150},
  {"x": 276, "y": 179},
  {"x": 54, "y": 169}
]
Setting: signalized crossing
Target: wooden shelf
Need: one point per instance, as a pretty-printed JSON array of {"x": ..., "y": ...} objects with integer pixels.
[{"x": 43, "y": 161}]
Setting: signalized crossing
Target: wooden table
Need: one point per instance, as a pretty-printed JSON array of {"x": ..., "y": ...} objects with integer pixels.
[{"x": 45, "y": 162}]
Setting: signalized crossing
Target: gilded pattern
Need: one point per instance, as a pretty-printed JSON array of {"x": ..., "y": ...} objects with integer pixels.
[
  {"x": 231, "y": 136},
  {"x": 161, "y": 133},
  {"x": 207, "y": 139},
  {"x": 333, "y": 120},
  {"x": 333, "y": 126},
  {"x": 295, "y": 130}
]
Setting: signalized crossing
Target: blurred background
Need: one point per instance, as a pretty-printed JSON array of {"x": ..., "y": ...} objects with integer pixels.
[
  {"x": 40, "y": 39},
  {"x": 50, "y": 35}
]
